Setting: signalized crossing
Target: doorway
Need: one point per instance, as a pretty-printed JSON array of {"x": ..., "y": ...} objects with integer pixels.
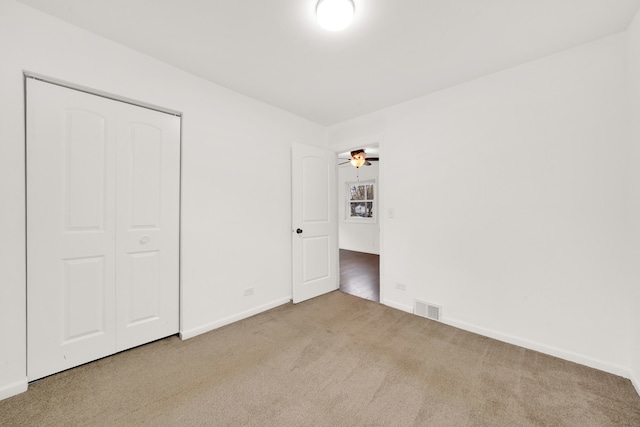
[{"x": 359, "y": 222}]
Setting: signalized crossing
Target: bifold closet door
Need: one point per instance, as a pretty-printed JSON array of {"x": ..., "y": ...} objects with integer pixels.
[
  {"x": 147, "y": 221},
  {"x": 102, "y": 227}
]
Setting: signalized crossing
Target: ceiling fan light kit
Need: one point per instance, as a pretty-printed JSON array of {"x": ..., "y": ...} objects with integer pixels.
[
  {"x": 335, "y": 15},
  {"x": 359, "y": 158}
]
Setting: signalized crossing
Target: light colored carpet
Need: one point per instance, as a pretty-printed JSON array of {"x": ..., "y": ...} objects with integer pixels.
[{"x": 336, "y": 360}]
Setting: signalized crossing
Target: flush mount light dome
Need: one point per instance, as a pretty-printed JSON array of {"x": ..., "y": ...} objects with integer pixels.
[{"x": 335, "y": 15}]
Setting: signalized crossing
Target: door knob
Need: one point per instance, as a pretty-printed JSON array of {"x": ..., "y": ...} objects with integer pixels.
[
  {"x": 144, "y": 240},
  {"x": 299, "y": 231}
]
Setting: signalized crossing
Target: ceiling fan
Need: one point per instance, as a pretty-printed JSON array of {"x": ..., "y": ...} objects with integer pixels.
[{"x": 358, "y": 159}]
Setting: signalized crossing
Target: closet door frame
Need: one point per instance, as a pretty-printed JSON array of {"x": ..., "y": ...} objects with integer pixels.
[{"x": 48, "y": 80}]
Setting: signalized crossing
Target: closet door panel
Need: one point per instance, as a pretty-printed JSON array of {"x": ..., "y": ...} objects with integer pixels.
[
  {"x": 148, "y": 232},
  {"x": 70, "y": 229}
]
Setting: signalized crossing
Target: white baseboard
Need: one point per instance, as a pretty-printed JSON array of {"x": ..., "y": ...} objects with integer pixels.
[
  {"x": 532, "y": 345},
  {"x": 190, "y": 333},
  {"x": 543, "y": 348},
  {"x": 13, "y": 388},
  {"x": 397, "y": 305}
]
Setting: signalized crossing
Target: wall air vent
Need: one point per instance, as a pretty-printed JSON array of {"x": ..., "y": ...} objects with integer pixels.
[{"x": 428, "y": 310}]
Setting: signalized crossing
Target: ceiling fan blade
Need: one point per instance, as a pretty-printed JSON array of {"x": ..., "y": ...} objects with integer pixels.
[
  {"x": 373, "y": 159},
  {"x": 344, "y": 163}
]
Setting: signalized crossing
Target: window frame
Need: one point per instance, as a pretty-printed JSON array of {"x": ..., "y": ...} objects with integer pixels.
[{"x": 348, "y": 202}]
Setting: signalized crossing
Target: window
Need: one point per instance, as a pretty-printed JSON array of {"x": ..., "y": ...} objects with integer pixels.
[{"x": 360, "y": 201}]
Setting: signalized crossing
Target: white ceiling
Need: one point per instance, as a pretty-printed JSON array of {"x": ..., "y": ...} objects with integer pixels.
[{"x": 273, "y": 50}]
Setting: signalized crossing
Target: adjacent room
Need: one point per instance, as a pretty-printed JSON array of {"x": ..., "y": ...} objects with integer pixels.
[
  {"x": 239, "y": 213},
  {"x": 359, "y": 225}
]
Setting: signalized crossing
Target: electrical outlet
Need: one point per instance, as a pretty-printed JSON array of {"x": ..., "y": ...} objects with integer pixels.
[
  {"x": 248, "y": 291},
  {"x": 401, "y": 287}
]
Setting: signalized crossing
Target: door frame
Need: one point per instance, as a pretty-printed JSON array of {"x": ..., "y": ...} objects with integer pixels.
[
  {"x": 353, "y": 144},
  {"x": 126, "y": 100},
  {"x": 348, "y": 146}
]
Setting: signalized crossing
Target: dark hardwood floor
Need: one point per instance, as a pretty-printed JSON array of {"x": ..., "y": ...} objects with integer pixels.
[{"x": 360, "y": 274}]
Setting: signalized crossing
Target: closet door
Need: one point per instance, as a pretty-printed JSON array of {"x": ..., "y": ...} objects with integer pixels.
[
  {"x": 102, "y": 227},
  {"x": 71, "y": 229},
  {"x": 147, "y": 218}
]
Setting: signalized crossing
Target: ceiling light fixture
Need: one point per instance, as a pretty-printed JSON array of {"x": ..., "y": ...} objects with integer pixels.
[
  {"x": 357, "y": 158},
  {"x": 335, "y": 15}
]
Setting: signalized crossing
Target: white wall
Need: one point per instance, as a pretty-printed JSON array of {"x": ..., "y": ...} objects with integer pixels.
[
  {"x": 519, "y": 227},
  {"x": 515, "y": 219},
  {"x": 355, "y": 235},
  {"x": 236, "y": 217},
  {"x": 634, "y": 179}
]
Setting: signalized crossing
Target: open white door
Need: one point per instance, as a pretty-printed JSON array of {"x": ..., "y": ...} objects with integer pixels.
[{"x": 314, "y": 222}]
